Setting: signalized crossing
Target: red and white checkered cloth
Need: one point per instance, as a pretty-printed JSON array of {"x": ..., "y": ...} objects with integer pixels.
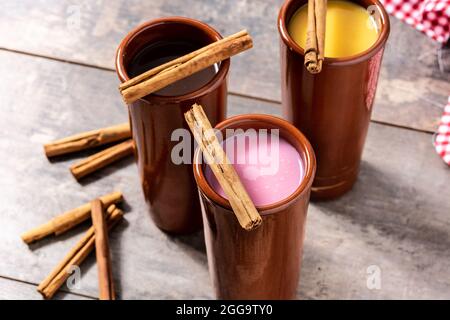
[
  {"x": 442, "y": 141},
  {"x": 432, "y": 17}
]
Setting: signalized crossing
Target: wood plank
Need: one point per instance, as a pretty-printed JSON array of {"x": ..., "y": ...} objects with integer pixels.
[
  {"x": 44, "y": 100},
  {"x": 394, "y": 218},
  {"x": 412, "y": 90},
  {"x": 15, "y": 290}
]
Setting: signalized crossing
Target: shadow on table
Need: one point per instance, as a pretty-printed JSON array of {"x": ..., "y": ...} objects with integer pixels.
[
  {"x": 195, "y": 241},
  {"x": 116, "y": 256},
  {"x": 381, "y": 201}
]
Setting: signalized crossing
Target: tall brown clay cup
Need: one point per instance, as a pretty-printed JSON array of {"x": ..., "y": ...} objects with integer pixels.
[
  {"x": 170, "y": 188},
  {"x": 332, "y": 109},
  {"x": 263, "y": 263}
]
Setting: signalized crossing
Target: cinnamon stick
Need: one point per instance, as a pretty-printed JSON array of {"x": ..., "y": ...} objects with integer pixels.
[
  {"x": 315, "y": 35},
  {"x": 50, "y": 285},
  {"x": 105, "y": 279},
  {"x": 161, "y": 76},
  {"x": 242, "y": 205},
  {"x": 86, "y": 140},
  {"x": 67, "y": 220},
  {"x": 102, "y": 159}
]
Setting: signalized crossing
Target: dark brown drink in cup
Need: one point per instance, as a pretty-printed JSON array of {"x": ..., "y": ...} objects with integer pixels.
[
  {"x": 169, "y": 188},
  {"x": 332, "y": 108},
  {"x": 263, "y": 263}
]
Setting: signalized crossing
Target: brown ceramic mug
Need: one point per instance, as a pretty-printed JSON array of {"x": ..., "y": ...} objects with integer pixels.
[
  {"x": 169, "y": 188},
  {"x": 263, "y": 263},
  {"x": 332, "y": 109}
]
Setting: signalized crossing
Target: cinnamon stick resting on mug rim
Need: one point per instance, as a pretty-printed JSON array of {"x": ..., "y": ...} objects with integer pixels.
[
  {"x": 220, "y": 165},
  {"x": 68, "y": 219},
  {"x": 315, "y": 35},
  {"x": 86, "y": 140},
  {"x": 102, "y": 159},
  {"x": 50, "y": 285},
  {"x": 182, "y": 67}
]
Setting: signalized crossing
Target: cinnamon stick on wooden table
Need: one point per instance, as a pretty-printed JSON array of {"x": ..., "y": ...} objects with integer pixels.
[
  {"x": 105, "y": 279},
  {"x": 165, "y": 74},
  {"x": 315, "y": 35},
  {"x": 67, "y": 220},
  {"x": 50, "y": 285},
  {"x": 88, "y": 140},
  {"x": 226, "y": 175},
  {"x": 102, "y": 159}
]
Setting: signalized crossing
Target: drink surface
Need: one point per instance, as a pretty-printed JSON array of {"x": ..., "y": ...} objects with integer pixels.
[
  {"x": 350, "y": 29},
  {"x": 164, "y": 51},
  {"x": 269, "y": 167}
]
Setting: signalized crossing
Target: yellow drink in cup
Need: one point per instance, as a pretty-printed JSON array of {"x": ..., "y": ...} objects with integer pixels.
[{"x": 350, "y": 29}]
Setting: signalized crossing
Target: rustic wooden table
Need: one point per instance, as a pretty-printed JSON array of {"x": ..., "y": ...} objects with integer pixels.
[{"x": 56, "y": 60}]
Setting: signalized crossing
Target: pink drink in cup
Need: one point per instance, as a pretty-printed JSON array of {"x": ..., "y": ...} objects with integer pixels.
[
  {"x": 269, "y": 167},
  {"x": 263, "y": 263}
]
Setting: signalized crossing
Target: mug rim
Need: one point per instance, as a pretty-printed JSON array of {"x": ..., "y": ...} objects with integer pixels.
[
  {"x": 221, "y": 74},
  {"x": 372, "y": 50},
  {"x": 309, "y": 162}
]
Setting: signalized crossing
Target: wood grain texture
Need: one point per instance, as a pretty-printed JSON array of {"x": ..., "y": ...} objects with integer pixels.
[
  {"x": 102, "y": 254},
  {"x": 180, "y": 68},
  {"x": 394, "y": 218},
  {"x": 102, "y": 159},
  {"x": 242, "y": 206},
  {"x": 412, "y": 91},
  {"x": 16, "y": 290}
]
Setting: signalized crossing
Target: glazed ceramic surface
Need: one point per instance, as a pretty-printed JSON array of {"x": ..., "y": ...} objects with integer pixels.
[
  {"x": 263, "y": 263},
  {"x": 169, "y": 188},
  {"x": 333, "y": 108}
]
